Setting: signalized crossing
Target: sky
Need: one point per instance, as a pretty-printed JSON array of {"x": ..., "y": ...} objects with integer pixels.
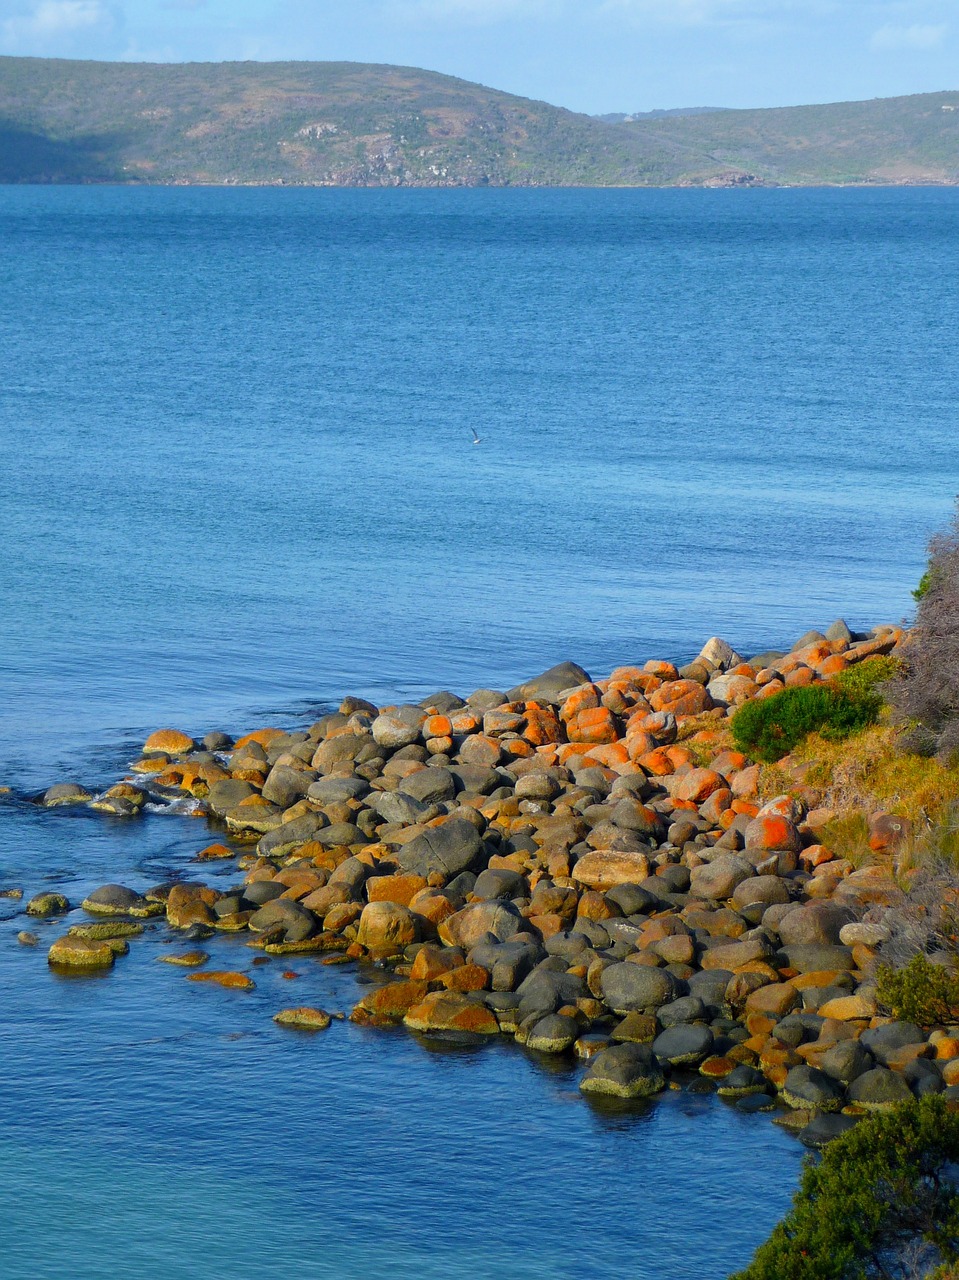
[{"x": 589, "y": 55}]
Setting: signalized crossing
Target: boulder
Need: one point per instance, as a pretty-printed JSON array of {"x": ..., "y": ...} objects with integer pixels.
[
  {"x": 624, "y": 1071},
  {"x": 604, "y": 868},
  {"x": 449, "y": 849},
  {"x": 430, "y": 786},
  {"x": 628, "y": 987},
  {"x": 48, "y": 904},
  {"x": 470, "y": 926},
  {"x": 387, "y": 926},
  {"x": 814, "y": 923},
  {"x": 449, "y": 1011},
  {"x": 548, "y": 686},
  {"x": 806, "y": 1086},
  {"x": 879, "y": 1090},
  {"x": 73, "y": 952},
  {"x": 393, "y": 731},
  {"x": 683, "y": 1045},
  {"x": 118, "y": 900},
  {"x": 337, "y": 790},
  {"x": 296, "y": 921},
  {"x": 284, "y": 785},
  {"x": 63, "y": 793},
  {"x": 555, "y": 1033},
  {"x": 719, "y": 879}
]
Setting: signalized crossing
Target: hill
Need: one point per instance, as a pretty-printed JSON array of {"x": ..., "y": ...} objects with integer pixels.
[
  {"x": 912, "y": 139},
  {"x": 324, "y": 123},
  {"x": 359, "y": 124}
]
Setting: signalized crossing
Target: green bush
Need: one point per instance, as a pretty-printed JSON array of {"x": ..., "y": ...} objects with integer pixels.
[
  {"x": 921, "y": 992},
  {"x": 866, "y": 678},
  {"x": 882, "y": 1195},
  {"x": 769, "y": 728}
]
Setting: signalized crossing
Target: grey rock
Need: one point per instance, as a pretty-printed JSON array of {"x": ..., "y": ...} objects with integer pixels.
[
  {"x": 881, "y": 1041},
  {"x": 806, "y": 1086},
  {"x": 825, "y": 1127},
  {"x": 259, "y": 892},
  {"x": 395, "y": 807},
  {"x": 845, "y": 1061},
  {"x": 297, "y": 922},
  {"x": 227, "y": 794},
  {"x": 627, "y": 987},
  {"x": 879, "y": 1090},
  {"x": 555, "y": 1033},
  {"x": 284, "y": 785},
  {"x": 816, "y": 957},
  {"x": 624, "y": 1071},
  {"x": 684, "y": 1045},
  {"x": 430, "y": 786},
  {"x": 290, "y": 835},
  {"x": 64, "y": 793},
  {"x": 499, "y": 883},
  {"x": 685, "y": 1009},
  {"x": 719, "y": 879},
  {"x": 335, "y": 790},
  {"x": 814, "y": 923},
  {"x": 508, "y": 962},
  {"x": 548, "y": 686},
  {"x": 448, "y": 849}
]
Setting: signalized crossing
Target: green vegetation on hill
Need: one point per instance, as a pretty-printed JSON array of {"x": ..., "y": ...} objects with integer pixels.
[{"x": 359, "y": 124}]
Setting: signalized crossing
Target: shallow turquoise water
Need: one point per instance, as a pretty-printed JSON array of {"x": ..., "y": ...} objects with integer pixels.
[
  {"x": 163, "y": 1128},
  {"x": 238, "y": 483}
]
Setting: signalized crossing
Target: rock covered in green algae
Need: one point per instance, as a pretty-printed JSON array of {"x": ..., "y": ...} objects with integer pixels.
[{"x": 47, "y": 904}]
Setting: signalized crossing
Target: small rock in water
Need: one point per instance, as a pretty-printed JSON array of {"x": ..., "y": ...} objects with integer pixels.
[
  {"x": 187, "y": 959},
  {"x": 16, "y": 894},
  {"x": 27, "y": 939},
  {"x": 47, "y": 904},
  {"x": 80, "y": 953},
  {"x": 224, "y": 978},
  {"x": 305, "y": 1018},
  {"x": 62, "y": 793}
]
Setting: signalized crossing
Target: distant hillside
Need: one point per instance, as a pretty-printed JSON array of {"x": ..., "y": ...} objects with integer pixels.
[
  {"x": 887, "y": 140},
  {"x": 359, "y": 124},
  {"x": 326, "y": 123}
]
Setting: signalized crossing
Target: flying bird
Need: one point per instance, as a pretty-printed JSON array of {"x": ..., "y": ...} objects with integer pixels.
[{"x": 476, "y": 439}]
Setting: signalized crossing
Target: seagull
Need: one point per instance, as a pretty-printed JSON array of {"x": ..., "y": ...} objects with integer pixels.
[{"x": 476, "y": 439}]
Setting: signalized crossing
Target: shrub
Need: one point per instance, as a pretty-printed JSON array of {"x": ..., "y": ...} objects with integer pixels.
[
  {"x": 922, "y": 992},
  {"x": 882, "y": 1203},
  {"x": 869, "y": 677},
  {"x": 925, "y": 920},
  {"x": 769, "y": 728},
  {"x": 926, "y": 695}
]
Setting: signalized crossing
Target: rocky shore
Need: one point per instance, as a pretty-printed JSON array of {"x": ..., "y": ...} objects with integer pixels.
[{"x": 584, "y": 865}]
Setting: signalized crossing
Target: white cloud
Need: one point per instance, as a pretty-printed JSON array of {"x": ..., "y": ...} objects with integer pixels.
[
  {"x": 49, "y": 22},
  {"x": 917, "y": 36}
]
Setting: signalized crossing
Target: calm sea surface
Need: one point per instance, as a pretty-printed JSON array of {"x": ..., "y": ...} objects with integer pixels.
[{"x": 238, "y": 482}]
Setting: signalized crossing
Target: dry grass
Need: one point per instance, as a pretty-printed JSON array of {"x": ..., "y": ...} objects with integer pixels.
[{"x": 866, "y": 774}]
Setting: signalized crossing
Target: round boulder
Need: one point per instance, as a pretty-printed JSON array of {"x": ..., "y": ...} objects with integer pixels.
[
  {"x": 624, "y": 1071},
  {"x": 629, "y": 988},
  {"x": 387, "y": 925}
]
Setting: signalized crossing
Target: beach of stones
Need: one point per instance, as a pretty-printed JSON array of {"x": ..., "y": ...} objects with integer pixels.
[{"x": 554, "y": 863}]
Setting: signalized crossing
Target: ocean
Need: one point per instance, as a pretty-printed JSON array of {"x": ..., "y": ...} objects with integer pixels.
[{"x": 240, "y": 483}]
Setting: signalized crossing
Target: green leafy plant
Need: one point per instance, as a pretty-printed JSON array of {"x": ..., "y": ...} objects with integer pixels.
[
  {"x": 882, "y": 1203},
  {"x": 868, "y": 677},
  {"x": 924, "y": 584},
  {"x": 921, "y": 992},
  {"x": 769, "y": 728}
]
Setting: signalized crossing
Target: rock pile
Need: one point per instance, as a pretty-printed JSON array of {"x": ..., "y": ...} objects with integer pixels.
[{"x": 578, "y": 864}]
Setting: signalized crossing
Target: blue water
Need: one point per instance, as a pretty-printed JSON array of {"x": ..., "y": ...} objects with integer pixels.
[{"x": 239, "y": 482}]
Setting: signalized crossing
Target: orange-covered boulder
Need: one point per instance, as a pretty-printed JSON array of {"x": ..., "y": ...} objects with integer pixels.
[
  {"x": 400, "y": 888},
  {"x": 170, "y": 741},
  {"x": 696, "y": 785},
  {"x": 595, "y": 725},
  {"x": 681, "y": 697},
  {"x": 451, "y": 1011}
]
